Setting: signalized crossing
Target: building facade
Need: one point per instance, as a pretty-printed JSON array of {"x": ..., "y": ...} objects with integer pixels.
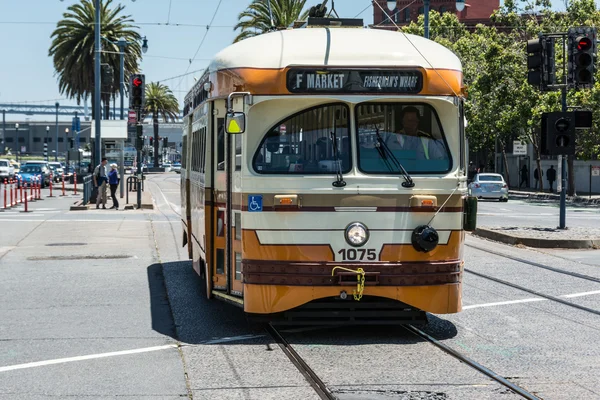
[{"x": 407, "y": 11}]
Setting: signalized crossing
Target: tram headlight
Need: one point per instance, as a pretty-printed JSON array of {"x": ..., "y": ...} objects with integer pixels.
[{"x": 357, "y": 234}]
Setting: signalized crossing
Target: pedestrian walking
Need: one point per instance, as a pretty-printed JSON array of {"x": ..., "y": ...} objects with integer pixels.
[
  {"x": 537, "y": 177},
  {"x": 113, "y": 181},
  {"x": 524, "y": 176},
  {"x": 551, "y": 176},
  {"x": 100, "y": 181}
]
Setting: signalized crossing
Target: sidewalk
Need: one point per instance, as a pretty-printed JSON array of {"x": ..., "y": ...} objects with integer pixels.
[
  {"x": 532, "y": 194},
  {"x": 147, "y": 200},
  {"x": 545, "y": 238}
]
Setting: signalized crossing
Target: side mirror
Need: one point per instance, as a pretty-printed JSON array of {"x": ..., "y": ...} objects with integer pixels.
[{"x": 235, "y": 123}]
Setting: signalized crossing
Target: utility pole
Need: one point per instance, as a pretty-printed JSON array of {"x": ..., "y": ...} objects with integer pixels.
[
  {"x": 56, "y": 152},
  {"x": 3, "y": 130},
  {"x": 97, "y": 87}
]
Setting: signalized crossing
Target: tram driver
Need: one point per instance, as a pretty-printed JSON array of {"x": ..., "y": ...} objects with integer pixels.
[{"x": 410, "y": 137}]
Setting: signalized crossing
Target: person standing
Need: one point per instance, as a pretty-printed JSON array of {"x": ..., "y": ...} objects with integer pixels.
[
  {"x": 551, "y": 176},
  {"x": 524, "y": 176},
  {"x": 100, "y": 179},
  {"x": 113, "y": 181}
]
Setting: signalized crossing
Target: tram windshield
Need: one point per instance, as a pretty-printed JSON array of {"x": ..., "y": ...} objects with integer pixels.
[
  {"x": 304, "y": 144},
  {"x": 411, "y": 132}
]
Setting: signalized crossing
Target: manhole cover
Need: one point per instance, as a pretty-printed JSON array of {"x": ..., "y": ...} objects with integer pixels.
[{"x": 66, "y": 244}]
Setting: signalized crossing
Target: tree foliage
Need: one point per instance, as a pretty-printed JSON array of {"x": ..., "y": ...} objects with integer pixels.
[
  {"x": 72, "y": 48},
  {"x": 500, "y": 103},
  {"x": 256, "y": 20}
]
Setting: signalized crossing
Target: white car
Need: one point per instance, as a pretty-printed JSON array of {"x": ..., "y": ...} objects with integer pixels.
[
  {"x": 489, "y": 186},
  {"x": 167, "y": 167},
  {"x": 7, "y": 171}
]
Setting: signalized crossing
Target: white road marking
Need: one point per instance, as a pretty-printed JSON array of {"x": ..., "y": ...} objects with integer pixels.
[
  {"x": 88, "y": 357},
  {"x": 529, "y": 300},
  {"x": 114, "y": 221},
  {"x": 570, "y": 296},
  {"x": 502, "y": 303}
]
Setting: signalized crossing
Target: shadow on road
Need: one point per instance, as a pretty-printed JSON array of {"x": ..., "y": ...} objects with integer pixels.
[{"x": 181, "y": 310}]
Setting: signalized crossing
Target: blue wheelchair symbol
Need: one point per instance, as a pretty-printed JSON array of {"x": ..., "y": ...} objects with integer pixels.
[{"x": 255, "y": 203}]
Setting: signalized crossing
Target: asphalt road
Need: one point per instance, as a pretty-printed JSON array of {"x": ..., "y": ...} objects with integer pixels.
[{"x": 57, "y": 304}]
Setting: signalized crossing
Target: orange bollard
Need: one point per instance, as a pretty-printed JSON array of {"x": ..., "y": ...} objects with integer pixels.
[
  {"x": 75, "y": 181},
  {"x": 39, "y": 188},
  {"x": 26, "y": 205},
  {"x": 21, "y": 186},
  {"x": 63, "y": 185},
  {"x": 5, "y": 193},
  {"x": 14, "y": 187},
  {"x": 51, "y": 179},
  {"x": 11, "y": 193}
]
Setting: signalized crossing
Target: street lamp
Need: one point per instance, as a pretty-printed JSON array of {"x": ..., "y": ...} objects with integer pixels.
[{"x": 17, "y": 141}]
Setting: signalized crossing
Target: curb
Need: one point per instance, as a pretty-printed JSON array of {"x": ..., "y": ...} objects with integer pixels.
[
  {"x": 78, "y": 206},
  {"x": 553, "y": 196},
  {"x": 538, "y": 243}
]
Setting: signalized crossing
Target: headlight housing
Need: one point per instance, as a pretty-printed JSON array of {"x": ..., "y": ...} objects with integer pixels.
[{"x": 357, "y": 234}]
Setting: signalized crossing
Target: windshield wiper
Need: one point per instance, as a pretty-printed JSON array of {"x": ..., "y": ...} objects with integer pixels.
[
  {"x": 339, "y": 182},
  {"x": 385, "y": 152}
]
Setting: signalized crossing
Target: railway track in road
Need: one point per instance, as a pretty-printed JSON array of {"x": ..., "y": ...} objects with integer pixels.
[
  {"x": 325, "y": 393},
  {"x": 531, "y": 291},
  {"x": 535, "y": 264},
  {"x": 313, "y": 379}
]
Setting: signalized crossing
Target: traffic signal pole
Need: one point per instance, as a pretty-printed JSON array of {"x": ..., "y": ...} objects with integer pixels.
[
  {"x": 139, "y": 164},
  {"x": 562, "y": 219}
]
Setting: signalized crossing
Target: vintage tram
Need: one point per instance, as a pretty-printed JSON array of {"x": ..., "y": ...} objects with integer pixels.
[{"x": 324, "y": 176}]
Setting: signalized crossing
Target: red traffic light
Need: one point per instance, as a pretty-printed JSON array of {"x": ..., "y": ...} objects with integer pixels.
[
  {"x": 584, "y": 43},
  {"x": 137, "y": 82}
]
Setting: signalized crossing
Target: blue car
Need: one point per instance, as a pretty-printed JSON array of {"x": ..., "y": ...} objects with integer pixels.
[{"x": 29, "y": 174}]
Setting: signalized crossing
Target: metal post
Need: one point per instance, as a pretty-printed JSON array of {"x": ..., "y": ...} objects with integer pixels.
[
  {"x": 426, "y": 13},
  {"x": 122, "y": 44},
  {"x": 563, "y": 177},
  {"x": 139, "y": 166},
  {"x": 97, "y": 83},
  {"x": 3, "y": 130},
  {"x": 76, "y": 133},
  {"x": 122, "y": 168},
  {"x": 17, "y": 142},
  {"x": 56, "y": 153}
]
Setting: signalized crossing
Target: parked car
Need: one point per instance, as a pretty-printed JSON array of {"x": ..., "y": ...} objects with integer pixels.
[
  {"x": 7, "y": 171},
  {"x": 57, "y": 170},
  {"x": 15, "y": 165},
  {"x": 167, "y": 167},
  {"x": 28, "y": 174},
  {"x": 177, "y": 167},
  {"x": 45, "y": 168},
  {"x": 489, "y": 186}
]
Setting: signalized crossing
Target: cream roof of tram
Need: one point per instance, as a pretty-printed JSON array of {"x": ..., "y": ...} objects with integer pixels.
[{"x": 348, "y": 47}]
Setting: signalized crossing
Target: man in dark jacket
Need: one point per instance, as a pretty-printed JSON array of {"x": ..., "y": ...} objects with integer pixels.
[
  {"x": 537, "y": 177},
  {"x": 551, "y": 176},
  {"x": 524, "y": 176}
]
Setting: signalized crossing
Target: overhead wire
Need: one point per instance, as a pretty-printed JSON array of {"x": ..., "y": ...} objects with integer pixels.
[
  {"x": 417, "y": 49},
  {"x": 201, "y": 42}
]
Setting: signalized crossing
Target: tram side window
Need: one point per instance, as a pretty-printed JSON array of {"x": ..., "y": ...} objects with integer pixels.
[
  {"x": 303, "y": 143},
  {"x": 411, "y": 132},
  {"x": 198, "y": 149}
]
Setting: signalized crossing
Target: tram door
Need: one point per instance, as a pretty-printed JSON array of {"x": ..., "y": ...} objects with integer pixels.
[{"x": 219, "y": 200}]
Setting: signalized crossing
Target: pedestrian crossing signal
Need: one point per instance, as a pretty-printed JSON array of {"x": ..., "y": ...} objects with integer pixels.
[{"x": 558, "y": 133}]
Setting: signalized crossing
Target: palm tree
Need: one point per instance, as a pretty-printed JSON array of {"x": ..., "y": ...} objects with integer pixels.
[
  {"x": 160, "y": 101},
  {"x": 73, "y": 43},
  {"x": 255, "y": 20}
]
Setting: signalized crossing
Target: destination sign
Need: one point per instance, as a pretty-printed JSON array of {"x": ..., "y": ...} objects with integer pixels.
[{"x": 304, "y": 80}]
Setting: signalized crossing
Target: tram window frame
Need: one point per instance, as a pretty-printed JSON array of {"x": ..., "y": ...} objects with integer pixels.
[
  {"x": 402, "y": 105},
  {"x": 221, "y": 146},
  {"x": 184, "y": 152},
  {"x": 261, "y": 149}
]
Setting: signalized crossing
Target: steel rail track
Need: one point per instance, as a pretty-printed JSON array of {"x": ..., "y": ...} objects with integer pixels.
[
  {"x": 313, "y": 379},
  {"x": 524, "y": 289},
  {"x": 473, "y": 364},
  {"x": 534, "y": 264}
]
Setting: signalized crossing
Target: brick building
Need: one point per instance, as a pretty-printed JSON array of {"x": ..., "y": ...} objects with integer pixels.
[{"x": 475, "y": 12}]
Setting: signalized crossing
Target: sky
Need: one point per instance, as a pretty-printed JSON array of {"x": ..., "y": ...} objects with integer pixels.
[{"x": 27, "y": 74}]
